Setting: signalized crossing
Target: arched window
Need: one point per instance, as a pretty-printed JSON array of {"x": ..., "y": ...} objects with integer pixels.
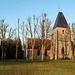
[
  {"x": 38, "y": 52},
  {"x": 73, "y": 51},
  {"x": 45, "y": 52},
  {"x": 62, "y": 50}
]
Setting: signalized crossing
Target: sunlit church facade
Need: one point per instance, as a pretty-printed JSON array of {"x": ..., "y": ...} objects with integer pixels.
[
  {"x": 60, "y": 43},
  {"x": 61, "y": 39}
]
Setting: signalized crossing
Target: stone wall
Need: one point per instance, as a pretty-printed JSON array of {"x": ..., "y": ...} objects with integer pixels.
[
  {"x": 59, "y": 40},
  {"x": 36, "y": 56}
]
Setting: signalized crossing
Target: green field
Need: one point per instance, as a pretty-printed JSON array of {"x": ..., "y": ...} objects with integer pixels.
[{"x": 48, "y": 67}]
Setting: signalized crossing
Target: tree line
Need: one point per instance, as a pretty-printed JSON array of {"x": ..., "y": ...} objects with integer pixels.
[{"x": 14, "y": 46}]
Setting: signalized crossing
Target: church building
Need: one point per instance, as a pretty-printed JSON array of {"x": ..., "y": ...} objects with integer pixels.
[
  {"x": 61, "y": 39},
  {"x": 59, "y": 47}
]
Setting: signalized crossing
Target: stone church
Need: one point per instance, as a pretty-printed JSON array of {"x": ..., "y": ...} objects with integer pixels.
[
  {"x": 61, "y": 39},
  {"x": 59, "y": 45}
]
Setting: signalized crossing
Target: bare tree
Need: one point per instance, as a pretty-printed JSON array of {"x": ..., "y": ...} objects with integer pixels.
[
  {"x": 26, "y": 44},
  {"x": 31, "y": 33},
  {"x": 17, "y": 41},
  {"x": 23, "y": 40},
  {"x": 45, "y": 33},
  {"x": 3, "y": 36},
  {"x": 10, "y": 33},
  {"x": 73, "y": 35}
]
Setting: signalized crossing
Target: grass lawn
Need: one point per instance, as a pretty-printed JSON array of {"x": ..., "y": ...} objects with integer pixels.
[{"x": 48, "y": 67}]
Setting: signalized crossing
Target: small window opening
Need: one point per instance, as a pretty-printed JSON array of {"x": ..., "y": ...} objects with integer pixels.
[
  {"x": 45, "y": 52},
  {"x": 73, "y": 51},
  {"x": 38, "y": 53},
  {"x": 62, "y": 50},
  {"x": 63, "y": 31}
]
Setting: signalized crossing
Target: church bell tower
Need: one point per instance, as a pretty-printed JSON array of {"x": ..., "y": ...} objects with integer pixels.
[{"x": 61, "y": 39}]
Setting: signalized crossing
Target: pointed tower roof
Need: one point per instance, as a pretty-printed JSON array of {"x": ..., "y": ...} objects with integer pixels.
[{"x": 60, "y": 21}]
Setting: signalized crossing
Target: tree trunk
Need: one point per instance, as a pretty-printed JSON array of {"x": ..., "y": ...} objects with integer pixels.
[
  {"x": 42, "y": 58},
  {"x": 16, "y": 52},
  {"x": 5, "y": 55},
  {"x": 32, "y": 52},
  {"x": 24, "y": 54},
  {"x": 2, "y": 53}
]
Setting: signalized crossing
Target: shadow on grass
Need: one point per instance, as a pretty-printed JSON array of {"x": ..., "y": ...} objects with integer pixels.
[{"x": 20, "y": 61}]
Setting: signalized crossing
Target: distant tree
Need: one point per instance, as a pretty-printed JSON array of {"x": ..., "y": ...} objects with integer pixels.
[
  {"x": 17, "y": 41},
  {"x": 23, "y": 32},
  {"x": 19, "y": 52},
  {"x": 73, "y": 35},
  {"x": 3, "y": 36},
  {"x": 11, "y": 47},
  {"x": 0, "y": 52},
  {"x": 10, "y": 33}
]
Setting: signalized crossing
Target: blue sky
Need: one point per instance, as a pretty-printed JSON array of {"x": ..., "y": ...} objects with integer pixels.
[{"x": 11, "y": 10}]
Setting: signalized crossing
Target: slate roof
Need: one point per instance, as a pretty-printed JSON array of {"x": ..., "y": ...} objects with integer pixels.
[
  {"x": 60, "y": 21},
  {"x": 38, "y": 44}
]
